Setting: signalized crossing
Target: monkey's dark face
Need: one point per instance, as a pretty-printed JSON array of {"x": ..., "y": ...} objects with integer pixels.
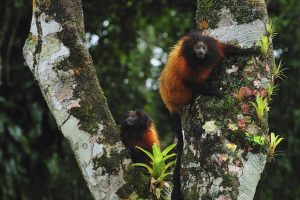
[
  {"x": 135, "y": 123},
  {"x": 200, "y": 49}
]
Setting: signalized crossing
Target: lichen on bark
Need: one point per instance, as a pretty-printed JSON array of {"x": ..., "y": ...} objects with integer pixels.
[
  {"x": 217, "y": 155},
  {"x": 215, "y": 12},
  {"x": 55, "y": 52}
]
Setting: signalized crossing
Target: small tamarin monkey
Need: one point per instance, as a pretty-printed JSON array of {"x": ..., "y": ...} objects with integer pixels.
[
  {"x": 189, "y": 65},
  {"x": 137, "y": 129}
]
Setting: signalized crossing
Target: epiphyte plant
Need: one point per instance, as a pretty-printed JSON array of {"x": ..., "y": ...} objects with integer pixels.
[
  {"x": 278, "y": 70},
  {"x": 255, "y": 139},
  {"x": 261, "y": 106},
  {"x": 158, "y": 168},
  {"x": 264, "y": 45},
  {"x": 273, "y": 142},
  {"x": 271, "y": 28},
  {"x": 271, "y": 89}
]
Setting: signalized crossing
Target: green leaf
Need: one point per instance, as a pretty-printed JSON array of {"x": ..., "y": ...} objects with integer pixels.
[
  {"x": 158, "y": 161},
  {"x": 146, "y": 152},
  {"x": 253, "y": 104},
  {"x": 143, "y": 165},
  {"x": 169, "y": 165},
  {"x": 273, "y": 138},
  {"x": 156, "y": 151},
  {"x": 261, "y": 106},
  {"x": 169, "y": 156},
  {"x": 16, "y": 132},
  {"x": 168, "y": 149},
  {"x": 259, "y": 139},
  {"x": 278, "y": 141},
  {"x": 247, "y": 134},
  {"x": 163, "y": 176}
]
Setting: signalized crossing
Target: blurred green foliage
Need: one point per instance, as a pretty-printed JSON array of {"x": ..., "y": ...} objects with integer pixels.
[{"x": 128, "y": 40}]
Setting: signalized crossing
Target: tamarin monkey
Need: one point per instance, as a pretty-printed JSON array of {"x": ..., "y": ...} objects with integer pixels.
[
  {"x": 189, "y": 65},
  {"x": 137, "y": 129}
]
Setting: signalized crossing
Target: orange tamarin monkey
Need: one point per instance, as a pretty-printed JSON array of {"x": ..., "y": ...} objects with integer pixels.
[
  {"x": 189, "y": 65},
  {"x": 137, "y": 129}
]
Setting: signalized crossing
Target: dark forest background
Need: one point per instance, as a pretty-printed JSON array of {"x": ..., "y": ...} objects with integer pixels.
[{"x": 129, "y": 41}]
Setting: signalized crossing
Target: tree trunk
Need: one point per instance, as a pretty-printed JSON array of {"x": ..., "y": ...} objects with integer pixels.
[
  {"x": 218, "y": 161},
  {"x": 56, "y": 53}
]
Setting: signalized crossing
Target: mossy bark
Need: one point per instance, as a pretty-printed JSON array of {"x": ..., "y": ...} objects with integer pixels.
[
  {"x": 218, "y": 161},
  {"x": 56, "y": 53}
]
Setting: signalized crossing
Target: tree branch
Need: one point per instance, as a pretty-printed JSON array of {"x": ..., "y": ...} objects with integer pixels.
[{"x": 56, "y": 53}]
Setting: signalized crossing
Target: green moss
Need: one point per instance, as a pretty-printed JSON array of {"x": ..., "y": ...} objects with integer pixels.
[
  {"x": 206, "y": 197},
  {"x": 245, "y": 11},
  {"x": 237, "y": 138},
  {"x": 211, "y": 145},
  {"x": 192, "y": 194},
  {"x": 231, "y": 181},
  {"x": 207, "y": 11},
  {"x": 137, "y": 181},
  {"x": 93, "y": 108},
  {"x": 227, "y": 180},
  {"x": 219, "y": 106},
  {"x": 111, "y": 164}
]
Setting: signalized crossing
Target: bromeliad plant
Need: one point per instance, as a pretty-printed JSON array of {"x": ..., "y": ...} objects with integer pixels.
[
  {"x": 268, "y": 142},
  {"x": 158, "y": 169},
  {"x": 272, "y": 142},
  {"x": 278, "y": 70},
  {"x": 158, "y": 161},
  {"x": 261, "y": 106},
  {"x": 264, "y": 45},
  {"x": 271, "y": 89},
  {"x": 271, "y": 28}
]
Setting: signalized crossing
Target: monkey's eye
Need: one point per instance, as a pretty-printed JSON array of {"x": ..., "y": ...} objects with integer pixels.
[{"x": 200, "y": 48}]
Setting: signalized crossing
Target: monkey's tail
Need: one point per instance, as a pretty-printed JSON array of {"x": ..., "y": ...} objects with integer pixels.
[
  {"x": 231, "y": 50},
  {"x": 176, "y": 193}
]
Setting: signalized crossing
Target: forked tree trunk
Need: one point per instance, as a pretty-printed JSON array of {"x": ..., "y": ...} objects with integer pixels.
[{"x": 56, "y": 54}]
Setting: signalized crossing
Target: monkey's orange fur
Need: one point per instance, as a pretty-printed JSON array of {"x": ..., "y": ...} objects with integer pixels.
[
  {"x": 173, "y": 91},
  {"x": 149, "y": 138}
]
